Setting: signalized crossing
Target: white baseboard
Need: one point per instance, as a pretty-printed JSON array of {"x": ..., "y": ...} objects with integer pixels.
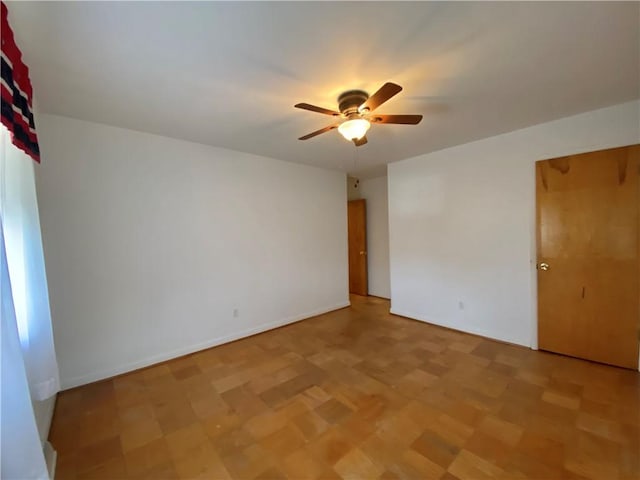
[
  {"x": 128, "y": 367},
  {"x": 459, "y": 328}
]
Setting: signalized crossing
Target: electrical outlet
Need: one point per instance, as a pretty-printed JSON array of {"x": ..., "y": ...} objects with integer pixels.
[
  {"x": 235, "y": 313},
  {"x": 460, "y": 304}
]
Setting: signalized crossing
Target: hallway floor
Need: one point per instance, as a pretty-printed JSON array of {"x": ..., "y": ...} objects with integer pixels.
[{"x": 355, "y": 394}]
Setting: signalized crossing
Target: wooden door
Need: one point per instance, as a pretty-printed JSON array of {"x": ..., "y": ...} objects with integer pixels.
[
  {"x": 587, "y": 215},
  {"x": 357, "y": 214}
]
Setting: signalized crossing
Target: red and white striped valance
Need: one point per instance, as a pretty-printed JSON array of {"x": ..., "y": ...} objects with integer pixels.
[{"x": 17, "y": 111}]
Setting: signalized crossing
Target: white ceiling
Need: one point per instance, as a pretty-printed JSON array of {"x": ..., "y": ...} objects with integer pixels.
[{"x": 228, "y": 74}]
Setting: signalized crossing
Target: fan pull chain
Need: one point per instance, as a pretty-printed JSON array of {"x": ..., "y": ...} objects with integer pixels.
[{"x": 356, "y": 157}]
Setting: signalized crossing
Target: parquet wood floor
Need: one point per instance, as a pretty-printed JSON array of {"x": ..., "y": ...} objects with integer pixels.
[{"x": 355, "y": 394}]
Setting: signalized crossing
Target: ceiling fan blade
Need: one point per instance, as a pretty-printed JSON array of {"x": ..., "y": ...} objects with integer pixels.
[
  {"x": 313, "y": 108},
  {"x": 360, "y": 142},
  {"x": 400, "y": 119},
  {"x": 318, "y": 132},
  {"x": 385, "y": 92}
]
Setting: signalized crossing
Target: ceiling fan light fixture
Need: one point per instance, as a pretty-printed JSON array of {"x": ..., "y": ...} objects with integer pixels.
[
  {"x": 354, "y": 129},
  {"x": 355, "y": 106}
]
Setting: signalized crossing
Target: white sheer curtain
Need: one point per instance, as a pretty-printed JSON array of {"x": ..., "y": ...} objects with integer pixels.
[
  {"x": 25, "y": 310},
  {"x": 22, "y": 454}
]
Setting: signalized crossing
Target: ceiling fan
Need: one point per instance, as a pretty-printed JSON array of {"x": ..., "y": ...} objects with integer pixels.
[{"x": 356, "y": 111}]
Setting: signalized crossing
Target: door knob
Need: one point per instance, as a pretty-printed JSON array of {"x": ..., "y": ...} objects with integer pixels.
[
  {"x": 543, "y": 266},
  {"x": 363, "y": 253}
]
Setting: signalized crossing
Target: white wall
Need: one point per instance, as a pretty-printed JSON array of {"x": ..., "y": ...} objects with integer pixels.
[
  {"x": 462, "y": 223},
  {"x": 353, "y": 188},
  {"x": 374, "y": 191},
  {"x": 151, "y": 243}
]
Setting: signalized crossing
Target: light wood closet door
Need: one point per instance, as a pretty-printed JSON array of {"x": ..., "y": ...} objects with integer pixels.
[
  {"x": 587, "y": 212},
  {"x": 357, "y": 213}
]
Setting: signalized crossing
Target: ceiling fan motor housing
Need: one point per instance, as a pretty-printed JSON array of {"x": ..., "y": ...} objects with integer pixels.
[{"x": 349, "y": 102}]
